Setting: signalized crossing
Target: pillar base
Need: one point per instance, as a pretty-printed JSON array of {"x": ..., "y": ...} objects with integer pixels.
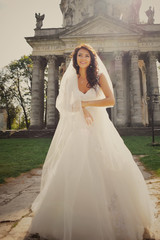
[
  {"x": 121, "y": 124},
  {"x": 137, "y": 125},
  {"x": 35, "y": 127},
  {"x": 51, "y": 127},
  {"x": 157, "y": 123}
]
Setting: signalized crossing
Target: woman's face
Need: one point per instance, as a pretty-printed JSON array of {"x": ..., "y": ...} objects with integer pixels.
[{"x": 83, "y": 58}]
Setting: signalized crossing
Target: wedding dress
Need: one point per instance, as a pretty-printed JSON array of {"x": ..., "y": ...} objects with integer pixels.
[{"x": 91, "y": 187}]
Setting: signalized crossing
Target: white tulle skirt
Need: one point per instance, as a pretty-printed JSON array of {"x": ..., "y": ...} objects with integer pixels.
[{"x": 91, "y": 187}]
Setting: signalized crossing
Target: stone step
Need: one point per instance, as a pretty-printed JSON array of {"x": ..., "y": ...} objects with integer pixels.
[
  {"x": 123, "y": 131},
  {"x": 27, "y": 133},
  {"x": 138, "y": 131}
]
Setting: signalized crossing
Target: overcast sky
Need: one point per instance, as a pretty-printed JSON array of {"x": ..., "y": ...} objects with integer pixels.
[{"x": 17, "y": 20}]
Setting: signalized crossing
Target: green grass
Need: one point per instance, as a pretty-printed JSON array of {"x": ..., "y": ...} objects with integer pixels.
[
  {"x": 21, "y": 155},
  {"x": 142, "y": 146}
]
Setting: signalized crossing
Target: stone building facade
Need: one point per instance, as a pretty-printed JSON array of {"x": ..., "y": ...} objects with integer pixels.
[{"x": 129, "y": 50}]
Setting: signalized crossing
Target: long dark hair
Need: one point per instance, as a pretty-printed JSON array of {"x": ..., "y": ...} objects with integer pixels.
[{"x": 92, "y": 70}]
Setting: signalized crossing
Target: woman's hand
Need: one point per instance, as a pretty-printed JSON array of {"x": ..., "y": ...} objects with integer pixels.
[
  {"x": 88, "y": 117},
  {"x": 84, "y": 104}
]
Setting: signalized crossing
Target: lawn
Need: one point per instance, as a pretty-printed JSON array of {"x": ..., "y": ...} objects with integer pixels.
[
  {"x": 142, "y": 146},
  {"x": 21, "y": 155}
]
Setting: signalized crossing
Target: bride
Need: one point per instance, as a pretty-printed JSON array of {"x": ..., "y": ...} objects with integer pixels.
[{"x": 91, "y": 188}]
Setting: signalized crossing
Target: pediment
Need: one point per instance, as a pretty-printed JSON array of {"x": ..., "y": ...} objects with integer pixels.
[{"x": 100, "y": 26}]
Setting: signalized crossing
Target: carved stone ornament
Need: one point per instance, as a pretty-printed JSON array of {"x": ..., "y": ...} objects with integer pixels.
[
  {"x": 36, "y": 59},
  {"x": 51, "y": 59}
]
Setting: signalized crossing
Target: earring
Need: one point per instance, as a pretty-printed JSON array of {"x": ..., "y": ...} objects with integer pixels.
[{"x": 90, "y": 66}]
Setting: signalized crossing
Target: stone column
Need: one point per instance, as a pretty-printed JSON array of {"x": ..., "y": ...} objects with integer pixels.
[
  {"x": 136, "y": 102},
  {"x": 67, "y": 59},
  {"x": 142, "y": 67},
  {"x": 52, "y": 93},
  {"x": 37, "y": 102},
  {"x": 42, "y": 69},
  {"x": 153, "y": 84},
  {"x": 120, "y": 96}
]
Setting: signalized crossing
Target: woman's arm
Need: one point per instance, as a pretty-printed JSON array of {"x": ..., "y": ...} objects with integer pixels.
[{"x": 107, "y": 101}]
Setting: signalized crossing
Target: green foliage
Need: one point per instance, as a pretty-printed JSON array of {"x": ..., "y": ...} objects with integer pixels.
[
  {"x": 15, "y": 88},
  {"x": 6, "y": 98},
  {"x": 12, "y": 113},
  {"x": 6, "y": 93}
]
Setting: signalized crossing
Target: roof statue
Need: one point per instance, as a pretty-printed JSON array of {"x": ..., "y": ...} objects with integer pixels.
[
  {"x": 150, "y": 15},
  {"x": 75, "y": 12},
  {"x": 39, "y": 19}
]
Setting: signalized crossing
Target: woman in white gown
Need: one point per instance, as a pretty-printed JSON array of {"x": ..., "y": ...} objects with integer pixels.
[{"x": 91, "y": 188}]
